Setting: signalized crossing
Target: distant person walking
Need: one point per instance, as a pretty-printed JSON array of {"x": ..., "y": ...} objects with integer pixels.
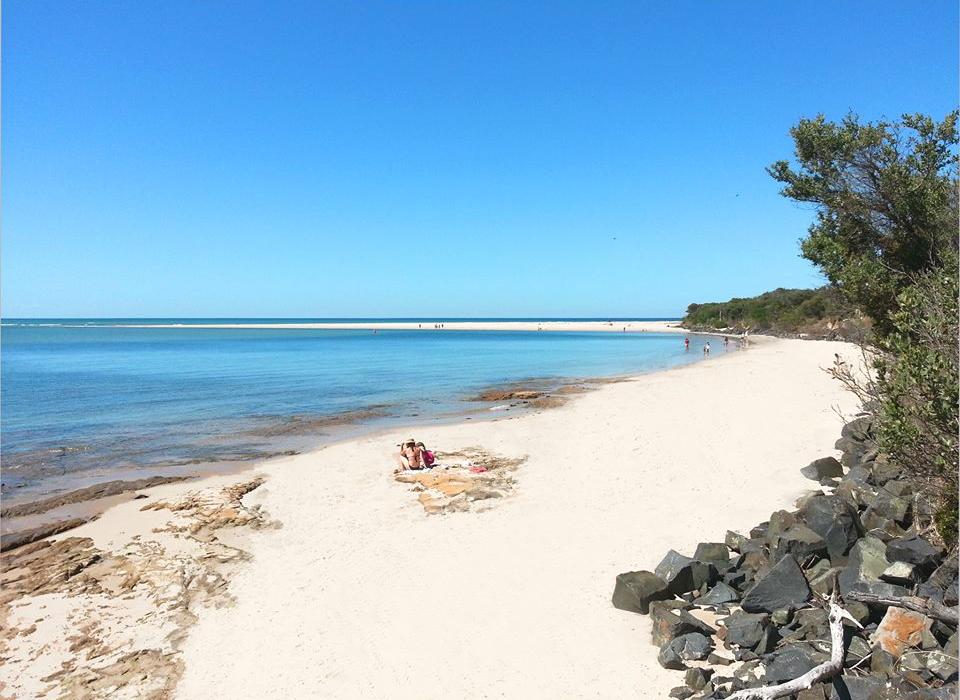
[
  {"x": 686, "y": 344},
  {"x": 706, "y": 349}
]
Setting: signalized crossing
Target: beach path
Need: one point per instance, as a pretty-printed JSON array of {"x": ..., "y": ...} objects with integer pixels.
[{"x": 361, "y": 594}]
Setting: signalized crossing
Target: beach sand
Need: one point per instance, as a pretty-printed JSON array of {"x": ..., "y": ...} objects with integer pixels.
[{"x": 358, "y": 593}]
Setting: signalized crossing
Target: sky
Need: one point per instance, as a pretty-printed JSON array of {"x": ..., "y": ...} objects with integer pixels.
[{"x": 415, "y": 158}]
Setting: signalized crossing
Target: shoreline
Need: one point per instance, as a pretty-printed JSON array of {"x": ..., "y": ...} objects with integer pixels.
[{"x": 347, "y": 525}]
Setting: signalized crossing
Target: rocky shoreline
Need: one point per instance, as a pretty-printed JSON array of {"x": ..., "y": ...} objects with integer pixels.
[{"x": 742, "y": 616}]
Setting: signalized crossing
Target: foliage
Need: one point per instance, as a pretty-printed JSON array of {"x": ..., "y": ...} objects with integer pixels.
[
  {"x": 886, "y": 202},
  {"x": 885, "y": 235},
  {"x": 779, "y": 311}
]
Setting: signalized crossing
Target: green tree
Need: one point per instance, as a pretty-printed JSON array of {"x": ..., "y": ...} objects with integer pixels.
[{"x": 886, "y": 199}]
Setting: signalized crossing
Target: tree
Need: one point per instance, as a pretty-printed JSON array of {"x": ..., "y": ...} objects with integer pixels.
[{"x": 886, "y": 198}]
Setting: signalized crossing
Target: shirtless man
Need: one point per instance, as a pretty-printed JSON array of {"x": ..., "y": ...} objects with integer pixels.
[{"x": 409, "y": 457}]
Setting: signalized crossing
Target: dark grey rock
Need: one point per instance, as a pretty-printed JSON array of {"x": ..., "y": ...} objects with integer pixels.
[
  {"x": 823, "y": 468},
  {"x": 669, "y": 622},
  {"x": 855, "y": 687},
  {"x": 684, "y": 574},
  {"x": 820, "y": 691},
  {"x": 882, "y": 663},
  {"x": 721, "y": 593},
  {"x": 686, "y": 647},
  {"x": 712, "y": 552},
  {"x": 750, "y": 674},
  {"x": 785, "y": 586},
  {"x": 886, "y": 507},
  {"x": 746, "y": 630},
  {"x": 916, "y": 551},
  {"x": 718, "y": 660},
  {"x": 800, "y": 541},
  {"x": 943, "y": 664},
  {"x": 697, "y": 678},
  {"x": 859, "y": 429},
  {"x": 681, "y": 692},
  {"x": 790, "y": 662},
  {"x": 866, "y": 562},
  {"x": 635, "y": 590},
  {"x": 941, "y": 586},
  {"x": 835, "y": 520}
]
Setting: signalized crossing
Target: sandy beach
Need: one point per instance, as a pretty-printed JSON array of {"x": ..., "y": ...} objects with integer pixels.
[{"x": 321, "y": 575}]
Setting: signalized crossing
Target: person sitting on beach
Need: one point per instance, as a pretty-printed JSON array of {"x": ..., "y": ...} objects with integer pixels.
[
  {"x": 409, "y": 457},
  {"x": 427, "y": 457}
]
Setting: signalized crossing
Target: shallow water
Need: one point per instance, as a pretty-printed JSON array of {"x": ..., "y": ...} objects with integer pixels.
[{"x": 94, "y": 401}]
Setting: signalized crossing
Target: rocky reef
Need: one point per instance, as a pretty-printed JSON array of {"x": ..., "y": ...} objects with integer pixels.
[{"x": 743, "y": 616}]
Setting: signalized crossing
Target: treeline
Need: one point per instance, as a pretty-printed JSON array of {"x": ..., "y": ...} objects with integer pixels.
[
  {"x": 821, "y": 313},
  {"x": 886, "y": 237}
]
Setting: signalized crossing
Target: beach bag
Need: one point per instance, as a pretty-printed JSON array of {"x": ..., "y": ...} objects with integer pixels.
[{"x": 428, "y": 458}]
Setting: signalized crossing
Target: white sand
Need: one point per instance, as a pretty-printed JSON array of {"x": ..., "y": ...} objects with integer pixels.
[{"x": 362, "y": 595}]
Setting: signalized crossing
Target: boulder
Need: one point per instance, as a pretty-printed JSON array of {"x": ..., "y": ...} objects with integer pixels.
[
  {"x": 784, "y": 586},
  {"x": 681, "y": 692},
  {"x": 900, "y": 573},
  {"x": 835, "y": 521},
  {"x": 823, "y": 468},
  {"x": 712, "y": 552},
  {"x": 882, "y": 663},
  {"x": 734, "y": 540},
  {"x": 899, "y": 630},
  {"x": 746, "y": 630},
  {"x": 942, "y": 584},
  {"x": 916, "y": 551},
  {"x": 859, "y": 429},
  {"x": 943, "y": 664},
  {"x": 798, "y": 540},
  {"x": 855, "y": 687},
  {"x": 683, "y": 574},
  {"x": 697, "y": 678},
  {"x": 867, "y": 561},
  {"x": 790, "y": 662},
  {"x": 687, "y": 647},
  {"x": 635, "y": 590},
  {"x": 670, "y": 622},
  {"x": 718, "y": 595},
  {"x": 885, "y": 507}
]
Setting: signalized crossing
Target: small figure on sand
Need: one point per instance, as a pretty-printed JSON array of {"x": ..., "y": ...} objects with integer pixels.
[
  {"x": 414, "y": 455},
  {"x": 726, "y": 341},
  {"x": 706, "y": 349},
  {"x": 686, "y": 344}
]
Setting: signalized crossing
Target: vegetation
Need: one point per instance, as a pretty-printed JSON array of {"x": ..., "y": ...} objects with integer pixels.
[
  {"x": 886, "y": 236},
  {"x": 812, "y": 311}
]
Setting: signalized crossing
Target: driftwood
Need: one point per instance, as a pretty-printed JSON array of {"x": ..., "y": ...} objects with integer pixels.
[
  {"x": 823, "y": 672},
  {"x": 923, "y": 606}
]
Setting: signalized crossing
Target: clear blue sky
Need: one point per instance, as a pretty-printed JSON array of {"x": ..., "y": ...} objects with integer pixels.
[{"x": 411, "y": 158}]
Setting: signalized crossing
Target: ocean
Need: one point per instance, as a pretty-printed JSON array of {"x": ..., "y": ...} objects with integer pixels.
[{"x": 87, "y": 400}]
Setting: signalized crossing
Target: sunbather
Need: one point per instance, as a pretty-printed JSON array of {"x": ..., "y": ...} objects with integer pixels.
[{"x": 409, "y": 456}]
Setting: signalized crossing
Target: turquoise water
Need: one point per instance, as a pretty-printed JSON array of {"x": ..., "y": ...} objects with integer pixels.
[{"x": 87, "y": 402}]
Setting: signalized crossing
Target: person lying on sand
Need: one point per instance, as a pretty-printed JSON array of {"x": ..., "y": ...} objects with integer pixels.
[{"x": 409, "y": 457}]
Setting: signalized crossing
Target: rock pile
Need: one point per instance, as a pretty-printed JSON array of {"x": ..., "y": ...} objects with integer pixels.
[{"x": 749, "y": 612}]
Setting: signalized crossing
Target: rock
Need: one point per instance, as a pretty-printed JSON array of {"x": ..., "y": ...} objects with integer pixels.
[
  {"x": 746, "y": 630},
  {"x": 857, "y": 650},
  {"x": 867, "y": 561},
  {"x": 823, "y": 583},
  {"x": 718, "y": 660},
  {"x": 835, "y": 521},
  {"x": 681, "y": 692},
  {"x": 899, "y": 630},
  {"x": 750, "y": 674},
  {"x": 855, "y": 491},
  {"x": 781, "y": 617},
  {"x": 817, "y": 692},
  {"x": 882, "y": 663},
  {"x": 800, "y": 541},
  {"x": 855, "y": 687},
  {"x": 635, "y": 590},
  {"x": 900, "y": 573},
  {"x": 687, "y": 647},
  {"x": 943, "y": 664},
  {"x": 916, "y": 551},
  {"x": 697, "y": 678},
  {"x": 889, "y": 508},
  {"x": 790, "y": 662},
  {"x": 941, "y": 586},
  {"x": 823, "y": 468},
  {"x": 721, "y": 593},
  {"x": 712, "y": 552},
  {"x": 683, "y": 574},
  {"x": 784, "y": 586},
  {"x": 859, "y": 429},
  {"x": 670, "y": 622},
  {"x": 734, "y": 540}
]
